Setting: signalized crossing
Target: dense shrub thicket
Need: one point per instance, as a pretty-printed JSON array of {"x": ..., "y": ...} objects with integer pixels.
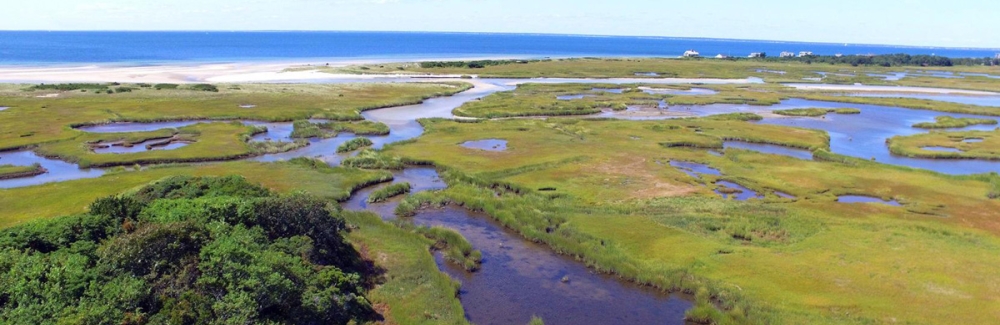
[
  {"x": 185, "y": 251},
  {"x": 889, "y": 60},
  {"x": 471, "y": 64}
]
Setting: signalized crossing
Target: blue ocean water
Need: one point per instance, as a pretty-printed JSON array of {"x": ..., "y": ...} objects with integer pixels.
[{"x": 45, "y": 48}]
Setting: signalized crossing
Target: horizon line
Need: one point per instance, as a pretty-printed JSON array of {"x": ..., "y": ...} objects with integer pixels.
[{"x": 495, "y": 33}]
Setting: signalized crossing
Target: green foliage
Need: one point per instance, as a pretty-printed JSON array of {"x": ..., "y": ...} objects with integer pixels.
[
  {"x": 70, "y": 86},
  {"x": 816, "y": 112},
  {"x": 354, "y": 144},
  {"x": 535, "y": 320},
  {"x": 456, "y": 248},
  {"x": 372, "y": 159},
  {"x": 205, "y": 87},
  {"x": 307, "y": 129},
  {"x": 165, "y": 86},
  {"x": 948, "y": 122},
  {"x": 479, "y": 64},
  {"x": 388, "y": 192},
  {"x": 185, "y": 251}
]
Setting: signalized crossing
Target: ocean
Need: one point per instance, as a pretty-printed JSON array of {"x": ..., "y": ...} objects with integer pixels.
[{"x": 34, "y": 48}]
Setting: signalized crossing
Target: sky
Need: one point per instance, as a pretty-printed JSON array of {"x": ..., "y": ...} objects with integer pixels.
[{"x": 957, "y": 23}]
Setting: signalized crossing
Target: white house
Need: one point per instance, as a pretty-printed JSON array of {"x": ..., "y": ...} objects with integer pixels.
[
  {"x": 721, "y": 56},
  {"x": 787, "y": 55},
  {"x": 805, "y": 54},
  {"x": 691, "y": 54},
  {"x": 756, "y": 55}
]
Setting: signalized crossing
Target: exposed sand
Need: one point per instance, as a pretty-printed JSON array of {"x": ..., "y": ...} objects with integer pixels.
[
  {"x": 257, "y": 72},
  {"x": 895, "y": 89}
]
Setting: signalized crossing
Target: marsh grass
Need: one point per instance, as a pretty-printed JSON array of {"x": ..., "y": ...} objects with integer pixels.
[
  {"x": 52, "y": 117},
  {"x": 949, "y": 122},
  {"x": 13, "y": 171},
  {"x": 987, "y": 147},
  {"x": 306, "y": 129},
  {"x": 761, "y": 261},
  {"x": 374, "y": 159},
  {"x": 456, "y": 248},
  {"x": 209, "y": 142},
  {"x": 354, "y": 144},
  {"x": 816, "y": 112},
  {"x": 388, "y": 192}
]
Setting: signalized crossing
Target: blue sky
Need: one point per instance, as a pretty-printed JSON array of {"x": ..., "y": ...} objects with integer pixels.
[{"x": 959, "y": 23}]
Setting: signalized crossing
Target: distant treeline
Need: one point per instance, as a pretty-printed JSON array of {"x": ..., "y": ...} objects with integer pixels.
[
  {"x": 885, "y": 60},
  {"x": 479, "y": 64}
]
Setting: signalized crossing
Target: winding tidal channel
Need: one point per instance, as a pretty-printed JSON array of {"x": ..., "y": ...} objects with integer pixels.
[{"x": 519, "y": 278}]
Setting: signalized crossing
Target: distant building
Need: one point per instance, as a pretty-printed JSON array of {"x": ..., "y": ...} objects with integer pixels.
[
  {"x": 787, "y": 55},
  {"x": 721, "y": 56},
  {"x": 838, "y": 55},
  {"x": 998, "y": 56},
  {"x": 761, "y": 55},
  {"x": 691, "y": 54},
  {"x": 805, "y": 54}
]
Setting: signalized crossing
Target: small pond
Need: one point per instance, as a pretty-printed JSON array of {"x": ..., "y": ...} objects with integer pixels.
[
  {"x": 574, "y": 96},
  {"x": 737, "y": 191},
  {"x": 694, "y": 169},
  {"x": 771, "y": 149},
  {"x": 941, "y": 149},
  {"x": 977, "y": 140},
  {"x": 487, "y": 144},
  {"x": 689, "y": 92},
  {"x": 865, "y": 199}
]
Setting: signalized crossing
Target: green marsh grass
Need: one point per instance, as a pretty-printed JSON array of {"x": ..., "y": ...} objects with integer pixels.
[
  {"x": 54, "y": 116},
  {"x": 389, "y": 192},
  {"x": 816, "y": 112},
  {"x": 13, "y": 171},
  {"x": 622, "y": 209},
  {"x": 454, "y": 246},
  {"x": 949, "y": 122},
  {"x": 986, "y": 145},
  {"x": 354, "y": 144}
]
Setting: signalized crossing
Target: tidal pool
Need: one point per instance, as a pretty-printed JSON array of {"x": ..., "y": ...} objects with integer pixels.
[
  {"x": 976, "y": 140},
  {"x": 487, "y": 144},
  {"x": 148, "y": 145},
  {"x": 609, "y": 90},
  {"x": 694, "y": 169},
  {"x": 941, "y": 149},
  {"x": 574, "y": 96},
  {"x": 865, "y": 199},
  {"x": 770, "y": 149},
  {"x": 737, "y": 191},
  {"x": 123, "y": 127},
  {"x": 4, "y": 107}
]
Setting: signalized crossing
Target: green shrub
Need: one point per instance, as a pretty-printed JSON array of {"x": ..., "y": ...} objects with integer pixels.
[
  {"x": 354, "y": 144},
  {"x": 186, "y": 250},
  {"x": 205, "y": 87},
  {"x": 372, "y": 159}
]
